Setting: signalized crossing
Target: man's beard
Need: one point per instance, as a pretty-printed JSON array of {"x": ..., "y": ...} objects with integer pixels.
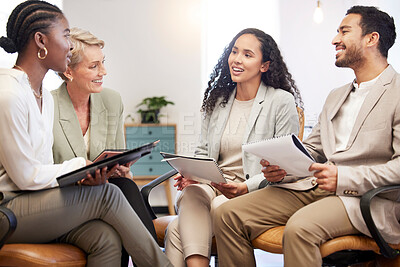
[{"x": 352, "y": 57}]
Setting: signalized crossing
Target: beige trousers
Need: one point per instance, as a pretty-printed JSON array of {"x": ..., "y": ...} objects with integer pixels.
[
  {"x": 191, "y": 233},
  {"x": 311, "y": 217}
]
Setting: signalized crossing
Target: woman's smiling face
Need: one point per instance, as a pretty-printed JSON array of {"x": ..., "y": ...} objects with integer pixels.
[
  {"x": 88, "y": 74},
  {"x": 245, "y": 60}
]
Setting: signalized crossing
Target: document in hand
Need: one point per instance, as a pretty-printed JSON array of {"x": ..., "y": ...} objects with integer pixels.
[
  {"x": 286, "y": 151},
  {"x": 106, "y": 153},
  {"x": 120, "y": 158},
  {"x": 204, "y": 170}
]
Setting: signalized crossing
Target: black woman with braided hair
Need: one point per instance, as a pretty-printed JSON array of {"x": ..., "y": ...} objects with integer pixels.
[
  {"x": 251, "y": 96},
  {"x": 95, "y": 215}
]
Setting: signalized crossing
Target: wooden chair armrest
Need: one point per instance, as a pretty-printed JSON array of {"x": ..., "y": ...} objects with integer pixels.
[
  {"x": 365, "y": 205},
  {"x": 148, "y": 187},
  {"x": 12, "y": 224}
]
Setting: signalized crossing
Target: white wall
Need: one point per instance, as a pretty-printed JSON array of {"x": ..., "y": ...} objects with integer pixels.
[
  {"x": 307, "y": 48},
  {"x": 7, "y": 60},
  {"x": 154, "y": 47},
  {"x": 220, "y": 27}
]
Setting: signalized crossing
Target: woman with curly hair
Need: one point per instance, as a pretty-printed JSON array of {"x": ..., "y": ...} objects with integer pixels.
[{"x": 251, "y": 96}]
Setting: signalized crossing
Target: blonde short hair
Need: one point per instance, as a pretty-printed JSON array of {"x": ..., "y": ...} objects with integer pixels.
[{"x": 80, "y": 40}]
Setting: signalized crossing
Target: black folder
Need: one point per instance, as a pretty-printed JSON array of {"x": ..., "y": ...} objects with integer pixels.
[{"x": 121, "y": 159}]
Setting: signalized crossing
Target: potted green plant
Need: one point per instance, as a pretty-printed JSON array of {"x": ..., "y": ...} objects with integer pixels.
[{"x": 153, "y": 105}]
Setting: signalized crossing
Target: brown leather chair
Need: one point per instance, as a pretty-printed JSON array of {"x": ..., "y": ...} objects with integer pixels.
[
  {"x": 42, "y": 255},
  {"x": 300, "y": 112},
  {"x": 36, "y": 255},
  {"x": 346, "y": 250},
  {"x": 350, "y": 250},
  {"x": 340, "y": 251}
]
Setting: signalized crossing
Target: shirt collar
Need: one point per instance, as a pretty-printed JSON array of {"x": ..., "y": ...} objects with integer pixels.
[{"x": 366, "y": 84}]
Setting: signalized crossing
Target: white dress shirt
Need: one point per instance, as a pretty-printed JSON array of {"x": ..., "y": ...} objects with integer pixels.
[
  {"x": 347, "y": 115},
  {"x": 26, "y": 138}
]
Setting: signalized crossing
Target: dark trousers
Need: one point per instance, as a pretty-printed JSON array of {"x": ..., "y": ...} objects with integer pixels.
[{"x": 134, "y": 197}]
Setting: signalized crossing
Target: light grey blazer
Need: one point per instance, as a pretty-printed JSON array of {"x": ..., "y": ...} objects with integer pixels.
[
  {"x": 106, "y": 125},
  {"x": 273, "y": 114},
  {"x": 371, "y": 157}
]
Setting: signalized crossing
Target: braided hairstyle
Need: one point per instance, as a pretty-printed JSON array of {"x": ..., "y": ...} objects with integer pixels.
[
  {"x": 27, "y": 18},
  {"x": 221, "y": 85}
]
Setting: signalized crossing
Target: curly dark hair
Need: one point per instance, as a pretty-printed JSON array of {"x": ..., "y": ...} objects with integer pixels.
[
  {"x": 277, "y": 76},
  {"x": 26, "y": 19}
]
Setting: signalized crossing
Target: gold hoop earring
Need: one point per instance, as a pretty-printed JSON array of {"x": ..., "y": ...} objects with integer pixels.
[{"x": 45, "y": 53}]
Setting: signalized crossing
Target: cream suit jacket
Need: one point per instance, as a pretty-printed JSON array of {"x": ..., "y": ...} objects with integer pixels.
[
  {"x": 273, "y": 114},
  {"x": 371, "y": 157},
  {"x": 106, "y": 125}
]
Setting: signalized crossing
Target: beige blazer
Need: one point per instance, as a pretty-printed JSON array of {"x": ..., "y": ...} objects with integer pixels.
[
  {"x": 273, "y": 114},
  {"x": 106, "y": 125},
  {"x": 371, "y": 157}
]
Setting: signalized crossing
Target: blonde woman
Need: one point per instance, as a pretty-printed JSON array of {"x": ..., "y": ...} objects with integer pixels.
[{"x": 89, "y": 118}]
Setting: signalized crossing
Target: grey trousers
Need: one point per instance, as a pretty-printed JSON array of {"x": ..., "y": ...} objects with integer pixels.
[
  {"x": 311, "y": 217},
  {"x": 97, "y": 219}
]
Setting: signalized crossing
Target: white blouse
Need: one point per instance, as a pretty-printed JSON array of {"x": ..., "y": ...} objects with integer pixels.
[
  {"x": 26, "y": 137},
  {"x": 230, "y": 153}
]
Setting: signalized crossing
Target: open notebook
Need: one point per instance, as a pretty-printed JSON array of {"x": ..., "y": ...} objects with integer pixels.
[
  {"x": 204, "y": 170},
  {"x": 285, "y": 151}
]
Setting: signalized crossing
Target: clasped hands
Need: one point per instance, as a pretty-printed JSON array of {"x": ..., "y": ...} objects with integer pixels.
[
  {"x": 230, "y": 190},
  {"x": 102, "y": 175},
  {"x": 326, "y": 174}
]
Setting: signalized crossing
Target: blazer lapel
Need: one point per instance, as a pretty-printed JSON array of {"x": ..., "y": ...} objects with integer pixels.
[
  {"x": 255, "y": 110},
  {"x": 331, "y": 115},
  {"x": 70, "y": 124},
  {"x": 338, "y": 105},
  {"x": 372, "y": 98},
  {"x": 98, "y": 125}
]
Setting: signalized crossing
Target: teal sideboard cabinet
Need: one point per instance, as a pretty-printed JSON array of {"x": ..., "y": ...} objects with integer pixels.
[{"x": 150, "y": 167}]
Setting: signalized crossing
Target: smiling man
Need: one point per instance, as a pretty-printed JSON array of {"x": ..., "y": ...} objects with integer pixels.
[{"x": 356, "y": 144}]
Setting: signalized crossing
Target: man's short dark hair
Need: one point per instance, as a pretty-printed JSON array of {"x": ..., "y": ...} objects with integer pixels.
[{"x": 374, "y": 20}]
